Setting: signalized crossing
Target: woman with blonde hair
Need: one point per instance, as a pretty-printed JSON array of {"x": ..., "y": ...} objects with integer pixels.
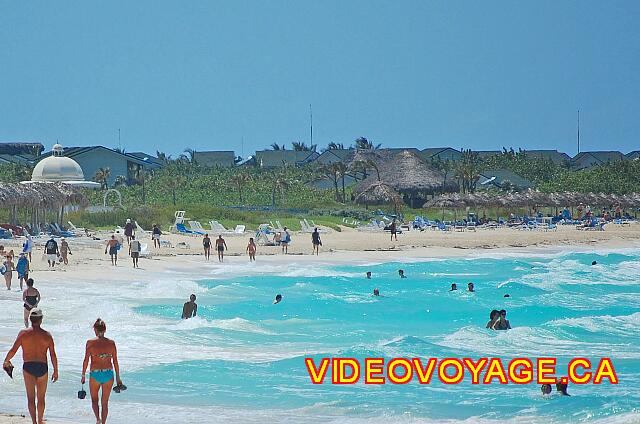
[{"x": 104, "y": 361}]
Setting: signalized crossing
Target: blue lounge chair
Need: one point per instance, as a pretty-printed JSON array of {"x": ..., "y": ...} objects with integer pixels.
[{"x": 182, "y": 229}]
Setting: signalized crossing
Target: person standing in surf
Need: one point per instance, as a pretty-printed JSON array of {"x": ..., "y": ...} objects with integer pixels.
[
  {"x": 221, "y": 245},
  {"x": 103, "y": 355},
  {"x": 315, "y": 240},
  {"x": 35, "y": 343},
  {"x": 190, "y": 308},
  {"x": 8, "y": 268},
  {"x": 251, "y": 249},
  {"x": 31, "y": 299},
  {"x": 206, "y": 244},
  {"x": 22, "y": 268}
]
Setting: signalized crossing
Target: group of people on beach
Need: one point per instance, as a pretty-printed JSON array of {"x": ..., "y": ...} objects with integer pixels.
[{"x": 100, "y": 357}]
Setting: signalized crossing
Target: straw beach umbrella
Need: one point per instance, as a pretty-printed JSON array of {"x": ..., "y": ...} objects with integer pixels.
[{"x": 379, "y": 193}]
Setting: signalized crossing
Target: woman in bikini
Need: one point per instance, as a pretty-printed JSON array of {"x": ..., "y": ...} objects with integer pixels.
[
  {"x": 31, "y": 298},
  {"x": 104, "y": 361},
  {"x": 9, "y": 267}
]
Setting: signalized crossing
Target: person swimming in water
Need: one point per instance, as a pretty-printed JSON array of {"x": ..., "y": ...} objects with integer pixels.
[
  {"x": 594, "y": 263},
  {"x": 31, "y": 298},
  {"x": 368, "y": 275},
  {"x": 278, "y": 299},
  {"x": 562, "y": 388},
  {"x": 454, "y": 287},
  {"x": 190, "y": 308},
  {"x": 251, "y": 249},
  {"x": 221, "y": 245},
  {"x": 502, "y": 323},
  {"x": 103, "y": 355},
  {"x": 206, "y": 244},
  {"x": 493, "y": 316},
  {"x": 401, "y": 273},
  {"x": 471, "y": 287},
  {"x": 545, "y": 389},
  {"x": 376, "y": 292},
  {"x": 35, "y": 343}
]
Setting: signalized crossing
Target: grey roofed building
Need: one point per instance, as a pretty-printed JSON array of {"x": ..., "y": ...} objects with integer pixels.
[
  {"x": 440, "y": 153},
  {"x": 92, "y": 158},
  {"x": 633, "y": 155},
  {"x": 483, "y": 154},
  {"x": 23, "y": 148},
  {"x": 585, "y": 160},
  {"x": 276, "y": 158},
  {"x": 223, "y": 159},
  {"x": 334, "y": 155},
  {"x": 555, "y": 156},
  {"x": 497, "y": 177},
  {"x": 154, "y": 161},
  {"x": 18, "y": 159}
]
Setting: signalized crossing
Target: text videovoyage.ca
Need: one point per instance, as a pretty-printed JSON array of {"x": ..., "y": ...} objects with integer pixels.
[{"x": 456, "y": 370}]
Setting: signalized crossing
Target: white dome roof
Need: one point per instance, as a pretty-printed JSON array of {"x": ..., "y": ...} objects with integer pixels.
[{"x": 57, "y": 168}]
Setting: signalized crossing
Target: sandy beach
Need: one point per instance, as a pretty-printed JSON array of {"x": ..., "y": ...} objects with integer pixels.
[{"x": 88, "y": 263}]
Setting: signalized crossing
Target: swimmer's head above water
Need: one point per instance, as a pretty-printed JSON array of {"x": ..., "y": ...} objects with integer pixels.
[
  {"x": 376, "y": 292},
  {"x": 401, "y": 273},
  {"x": 454, "y": 286},
  {"x": 470, "y": 287},
  {"x": 545, "y": 389},
  {"x": 278, "y": 299},
  {"x": 368, "y": 275}
]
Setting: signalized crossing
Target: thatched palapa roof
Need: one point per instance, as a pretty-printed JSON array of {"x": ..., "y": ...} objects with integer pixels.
[
  {"x": 407, "y": 173},
  {"x": 378, "y": 193},
  {"x": 40, "y": 195}
]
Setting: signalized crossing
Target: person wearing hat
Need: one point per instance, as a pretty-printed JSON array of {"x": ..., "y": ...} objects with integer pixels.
[
  {"x": 64, "y": 250},
  {"x": 128, "y": 230},
  {"x": 35, "y": 343}
]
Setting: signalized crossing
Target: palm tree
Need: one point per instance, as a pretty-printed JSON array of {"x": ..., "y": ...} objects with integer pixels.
[
  {"x": 279, "y": 183},
  {"x": 467, "y": 170},
  {"x": 239, "y": 180},
  {"x": 364, "y": 165},
  {"x": 334, "y": 172},
  {"x": 334, "y": 146},
  {"x": 363, "y": 143},
  {"x": 163, "y": 157},
  {"x": 173, "y": 183},
  {"x": 190, "y": 155},
  {"x": 101, "y": 176},
  {"x": 445, "y": 166},
  {"x": 302, "y": 147},
  {"x": 276, "y": 146}
]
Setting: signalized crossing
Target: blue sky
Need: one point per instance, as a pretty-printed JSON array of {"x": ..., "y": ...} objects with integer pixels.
[{"x": 209, "y": 74}]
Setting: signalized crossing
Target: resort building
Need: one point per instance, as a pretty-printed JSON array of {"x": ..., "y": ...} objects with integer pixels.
[
  {"x": 585, "y": 160},
  {"x": 222, "y": 159},
  {"x": 95, "y": 158},
  {"x": 277, "y": 158},
  {"x": 503, "y": 179}
]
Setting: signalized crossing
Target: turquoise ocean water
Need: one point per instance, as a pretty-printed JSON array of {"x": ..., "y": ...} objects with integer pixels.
[{"x": 248, "y": 354}]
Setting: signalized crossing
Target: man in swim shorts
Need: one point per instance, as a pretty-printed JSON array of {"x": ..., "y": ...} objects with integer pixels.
[
  {"x": 52, "y": 252},
  {"x": 35, "y": 343},
  {"x": 221, "y": 245},
  {"x": 134, "y": 247},
  {"x": 315, "y": 240},
  {"x": 112, "y": 247},
  {"x": 190, "y": 308}
]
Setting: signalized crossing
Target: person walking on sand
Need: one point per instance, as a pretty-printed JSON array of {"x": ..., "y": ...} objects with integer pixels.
[
  {"x": 27, "y": 246},
  {"x": 8, "y": 268},
  {"x": 52, "y": 252},
  {"x": 35, "y": 343},
  {"x": 251, "y": 249},
  {"x": 64, "y": 250},
  {"x": 22, "y": 268},
  {"x": 286, "y": 239},
  {"x": 128, "y": 230},
  {"x": 103, "y": 355},
  {"x": 134, "y": 247},
  {"x": 221, "y": 245},
  {"x": 394, "y": 230},
  {"x": 155, "y": 235},
  {"x": 315, "y": 240},
  {"x": 206, "y": 244},
  {"x": 190, "y": 308},
  {"x": 112, "y": 247},
  {"x": 31, "y": 299}
]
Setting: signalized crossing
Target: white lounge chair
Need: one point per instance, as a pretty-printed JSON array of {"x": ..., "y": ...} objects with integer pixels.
[
  {"x": 239, "y": 229},
  {"x": 75, "y": 229},
  {"x": 196, "y": 227},
  {"x": 144, "y": 250}
]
